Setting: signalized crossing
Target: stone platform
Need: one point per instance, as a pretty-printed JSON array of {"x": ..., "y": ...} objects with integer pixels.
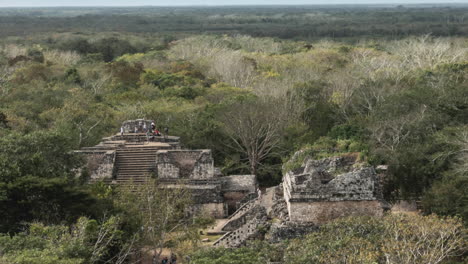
[{"x": 132, "y": 158}]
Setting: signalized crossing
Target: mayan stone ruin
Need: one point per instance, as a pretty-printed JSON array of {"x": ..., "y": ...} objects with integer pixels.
[
  {"x": 313, "y": 194},
  {"x": 322, "y": 190},
  {"x": 132, "y": 157}
]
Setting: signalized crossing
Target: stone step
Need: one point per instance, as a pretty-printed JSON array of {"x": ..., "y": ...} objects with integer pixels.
[
  {"x": 131, "y": 172},
  {"x": 144, "y": 166},
  {"x": 135, "y": 165},
  {"x": 134, "y": 173},
  {"x": 126, "y": 150},
  {"x": 132, "y": 178},
  {"x": 130, "y": 183},
  {"x": 130, "y": 162},
  {"x": 130, "y": 150},
  {"x": 149, "y": 159},
  {"x": 128, "y": 153},
  {"x": 136, "y": 154},
  {"x": 136, "y": 157}
]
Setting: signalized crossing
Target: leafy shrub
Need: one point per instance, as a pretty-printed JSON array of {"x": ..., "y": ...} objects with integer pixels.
[{"x": 404, "y": 239}]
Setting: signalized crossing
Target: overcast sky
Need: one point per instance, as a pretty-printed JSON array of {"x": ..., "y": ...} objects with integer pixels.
[{"x": 23, "y": 3}]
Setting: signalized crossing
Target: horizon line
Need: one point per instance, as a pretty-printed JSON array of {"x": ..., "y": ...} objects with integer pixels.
[{"x": 249, "y": 5}]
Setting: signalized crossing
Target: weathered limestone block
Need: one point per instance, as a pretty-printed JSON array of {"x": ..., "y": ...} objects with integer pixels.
[
  {"x": 237, "y": 188},
  {"x": 185, "y": 164},
  {"x": 100, "y": 164},
  {"x": 323, "y": 190},
  {"x": 320, "y": 212},
  {"x": 215, "y": 210},
  {"x": 239, "y": 183}
]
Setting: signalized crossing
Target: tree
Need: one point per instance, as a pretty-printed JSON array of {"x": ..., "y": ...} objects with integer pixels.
[
  {"x": 449, "y": 194},
  {"x": 86, "y": 241},
  {"x": 161, "y": 212},
  {"x": 3, "y": 120},
  {"x": 317, "y": 110},
  {"x": 37, "y": 174},
  {"x": 255, "y": 128}
]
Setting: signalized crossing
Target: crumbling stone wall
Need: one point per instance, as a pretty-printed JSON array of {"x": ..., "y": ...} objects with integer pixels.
[
  {"x": 100, "y": 164},
  {"x": 322, "y": 190},
  {"x": 236, "y": 188},
  {"x": 184, "y": 164},
  {"x": 215, "y": 210},
  {"x": 241, "y": 183},
  {"x": 320, "y": 212}
]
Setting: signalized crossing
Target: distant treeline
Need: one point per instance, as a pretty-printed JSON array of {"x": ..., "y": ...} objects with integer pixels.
[{"x": 287, "y": 22}]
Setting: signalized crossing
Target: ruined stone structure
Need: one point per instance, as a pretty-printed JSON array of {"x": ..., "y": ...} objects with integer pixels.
[
  {"x": 238, "y": 190},
  {"x": 185, "y": 164},
  {"x": 313, "y": 194},
  {"x": 132, "y": 158},
  {"x": 317, "y": 192},
  {"x": 323, "y": 190}
]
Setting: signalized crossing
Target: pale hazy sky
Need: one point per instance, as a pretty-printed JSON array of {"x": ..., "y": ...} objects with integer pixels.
[{"x": 23, "y": 3}]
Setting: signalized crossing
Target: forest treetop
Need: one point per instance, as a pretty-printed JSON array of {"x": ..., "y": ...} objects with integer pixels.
[{"x": 349, "y": 22}]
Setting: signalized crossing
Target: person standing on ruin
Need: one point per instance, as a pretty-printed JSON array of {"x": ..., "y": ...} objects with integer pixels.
[{"x": 121, "y": 130}]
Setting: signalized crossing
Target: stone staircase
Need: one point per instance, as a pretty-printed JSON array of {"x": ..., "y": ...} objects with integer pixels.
[
  {"x": 246, "y": 228},
  {"x": 135, "y": 165},
  {"x": 237, "y": 238},
  {"x": 238, "y": 215}
]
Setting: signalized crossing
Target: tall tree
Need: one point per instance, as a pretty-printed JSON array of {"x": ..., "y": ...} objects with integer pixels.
[
  {"x": 255, "y": 128},
  {"x": 161, "y": 212}
]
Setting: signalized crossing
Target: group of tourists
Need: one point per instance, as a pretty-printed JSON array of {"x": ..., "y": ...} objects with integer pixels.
[
  {"x": 150, "y": 133},
  {"x": 154, "y": 132}
]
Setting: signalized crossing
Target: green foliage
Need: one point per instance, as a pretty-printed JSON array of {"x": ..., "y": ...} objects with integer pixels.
[
  {"x": 72, "y": 75},
  {"x": 319, "y": 113},
  {"x": 394, "y": 238},
  {"x": 36, "y": 181},
  {"x": 3, "y": 120},
  {"x": 159, "y": 215},
  {"x": 326, "y": 147},
  {"x": 32, "y": 72},
  {"x": 256, "y": 252},
  {"x": 225, "y": 256},
  {"x": 87, "y": 242},
  {"x": 36, "y": 55},
  {"x": 308, "y": 23},
  {"x": 346, "y": 131},
  {"x": 386, "y": 101},
  {"x": 125, "y": 74},
  {"x": 448, "y": 196}
]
